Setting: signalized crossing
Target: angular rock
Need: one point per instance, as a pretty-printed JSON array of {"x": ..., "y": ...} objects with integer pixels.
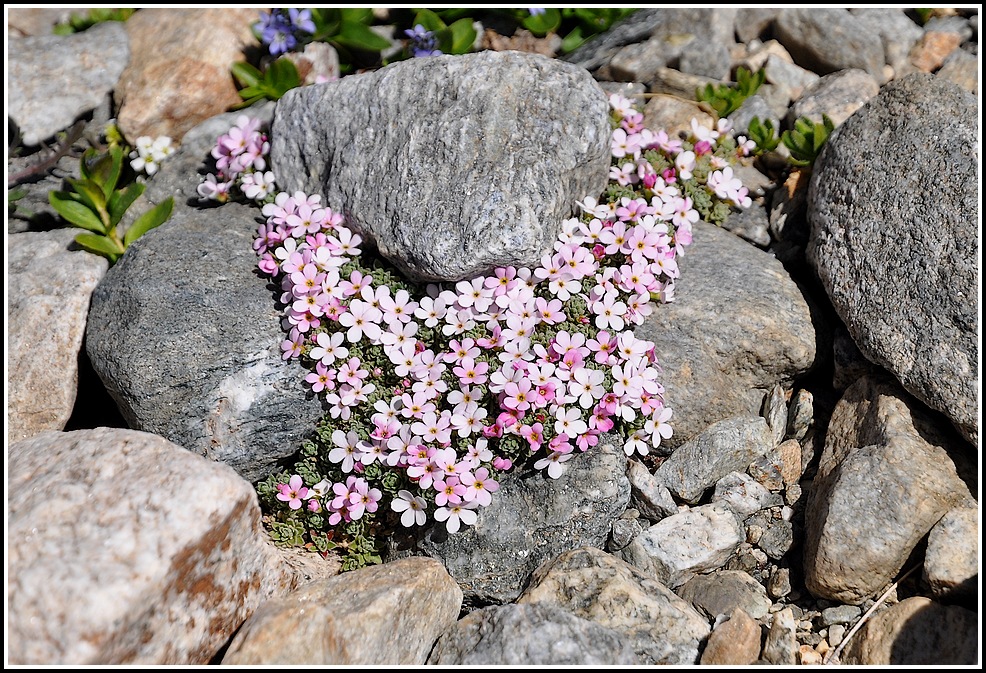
[
  {"x": 866, "y": 243},
  {"x": 753, "y": 106},
  {"x": 750, "y": 224},
  {"x": 678, "y": 547},
  {"x": 840, "y": 614},
  {"x": 470, "y": 177},
  {"x": 738, "y": 326},
  {"x": 800, "y": 414},
  {"x": 530, "y": 635},
  {"x": 623, "y": 531},
  {"x": 593, "y": 585},
  {"x": 827, "y": 40},
  {"x": 708, "y": 59},
  {"x": 77, "y": 72},
  {"x": 774, "y": 412},
  {"x": 725, "y": 591},
  {"x": 674, "y": 113},
  {"x": 735, "y": 642},
  {"x": 789, "y": 462},
  {"x": 792, "y": 79},
  {"x": 781, "y": 645},
  {"x": 648, "y": 494},
  {"x": 884, "y": 479},
  {"x": 638, "y": 62},
  {"x": 778, "y": 534},
  {"x": 185, "y": 336},
  {"x": 389, "y": 614},
  {"x": 930, "y": 52},
  {"x": 789, "y": 220},
  {"x": 951, "y": 562},
  {"x": 32, "y": 21},
  {"x": 917, "y": 631},
  {"x": 754, "y": 22},
  {"x": 532, "y": 520},
  {"x": 676, "y": 83},
  {"x": 49, "y": 286},
  {"x": 128, "y": 549},
  {"x": 180, "y": 76},
  {"x": 723, "y": 447},
  {"x": 743, "y": 494},
  {"x": 961, "y": 68},
  {"x": 898, "y": 32},
  {"x": 836, "y": 96}
]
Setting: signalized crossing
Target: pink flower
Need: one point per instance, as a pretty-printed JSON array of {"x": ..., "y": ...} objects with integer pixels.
[
  {"x": 480, "y": 486},
  {"x": 456, "y": 515},
  {"x": 292, "y": 492},
  {"x": 413, "y": 507}
]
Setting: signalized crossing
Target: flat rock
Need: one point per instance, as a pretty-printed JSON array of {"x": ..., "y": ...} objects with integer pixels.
[
  {"x": 469, "y": 178},
  {"x": 116, "y": 560},
  {"x": 185, "y": 335},
  {"x": 725, "y": 591},
  {"x": 49, "y": 286},
  {"x": 389, "y": 614},
  {"x": 836, "y": 95},
  {"x": 866, "y": 243},
  {"x": 734, "y": 642},
  {"x": 530, "y": 634},
  {"x": 826, "y": 40},
  {"x": 738, "y": 326},
  {"x": 78, "y": 72}
]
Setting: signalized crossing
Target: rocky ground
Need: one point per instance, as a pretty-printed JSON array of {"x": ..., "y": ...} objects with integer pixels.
[{"x": 821, "y": 357}]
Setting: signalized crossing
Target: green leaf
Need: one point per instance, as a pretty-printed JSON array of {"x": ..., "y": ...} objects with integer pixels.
[
  {"x": 281, "y": 77},
  {"x": 463, "y": 36},
  {"x": 77, "y": 213},
  {"x": 122, "y": 199},
  {"x": 542, "y": 24},
  {"x": 246, "y": 74},
  {"x": 106, "y": 169},
  {"x": 573, "y": 40},
  {"x": 101, "y": 245},
  {"x": 357, "y": 36},
  {"x": 154, "y": 217},
  {"x": 362, "y": 15},
  {"x": 429, "y": 20}
]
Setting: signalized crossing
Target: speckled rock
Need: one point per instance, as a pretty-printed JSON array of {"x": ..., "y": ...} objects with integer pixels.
[
  {"x": 734, "y": 642},
  {"x": 951, "y": 562}
]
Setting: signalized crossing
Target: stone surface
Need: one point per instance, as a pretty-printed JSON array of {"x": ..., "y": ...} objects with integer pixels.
[
  {"x": 789, "y": 461},
  {"x": 743, "y": 494},
  {"x": 674, "y": 113},
  {"x": 917, "y": 631},
  {"x": 778, "y": 534},
  {"x": 185, "y": 336},
  {"x": 961, "y": 68},
  {"x": 836, "y": 95},
  {"x": 661, "y": 627},
  {"x": 725, "y": 591},
  {"x": 781, "y": 645},
  {"x": 705, "y": 58},
  {"x": 784, "y": 74},
  {"x": 680, "y": 546},
  {"x": 79, "y": 72},
  {"x": 530, "y": 635},
  {"x": 739, "y": 325},
  {"x": 32, "y": 21},
  {"x": 840, "y": 614},
  {"x": 866, "y": 243},
  {"x": 180, "y": 76},
  {"x": 533, "y": 519},
  {"x": 401, "y": 609},
  {"x": 648, "y": 494},
  {"x": 49, "y": 285},
  {"x": 951, "y": 562},
  {"x": 774, "y": 412},
  {"x": 754, "y": 22},
  {"x": 735, "y": 642},
  {"x": 115, "y": 559},
  {"x": 800, "y": 414},
  {"x": 897, "y": 31},
  {"x": 930, "y": 52},
  {"x": 826, "y": 40},
  {"x": 676, "y": 83},
  {"x": 471, "y": 177},
  {"x": 884, "y": 479},
  {"x": 750, "y": 224},
  {"x": 723, "y": 447}
]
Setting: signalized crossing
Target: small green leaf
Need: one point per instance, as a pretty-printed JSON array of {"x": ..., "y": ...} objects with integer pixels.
[
  {"x": 77, "y": 213},
  {"x": 429, "y": 20},
  {"x": 122, "y": 199},
  {"x": 542, "y": 24},
  {"x": 281, "y": 77},
  {"x": 101, "y": 245},
  {"x": 154, "y": 217},
  {"x": 362, "y": 15},
  {"x": 573, "y": 40},
  {"x": 246, "y": 74},
  {"x": 357, "y": 36},
  {"x": 463, "y": 36}
]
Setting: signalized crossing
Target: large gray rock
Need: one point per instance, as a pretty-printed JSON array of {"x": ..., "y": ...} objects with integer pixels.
[
  {"x": 530, "y": 635},
  {"x": 738, "y": 326},
  {"x": 49, "y": 285},
  {"x": 53, "y": 79},
  {"x": 185, "y": 336},
  {"x": 661, "y": 627},
  {"x": 453, "y": 165},
  {"x": 723, "y": 591},
  {"x": 885, "y": 477},
  {"x": 533, "y": 519},
  {"x": 389, "y": 614},
  {"x": 880, "y": 234},
  {"x": 128, "y": 549},
  {"x": 827, "y": 40}
]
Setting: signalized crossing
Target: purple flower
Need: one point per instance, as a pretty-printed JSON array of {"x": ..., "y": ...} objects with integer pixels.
[
  {"x": 422, "y": 42},
  {"x": 279, "y": 29}
]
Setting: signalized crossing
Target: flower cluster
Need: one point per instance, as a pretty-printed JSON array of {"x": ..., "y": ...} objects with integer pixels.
[
  {"x": 281, "y": 29},
  {"x": 433, "y": 392},
  {"x": 422, "y": 42},
  {"x": 149, "y": 153},
  {"x": 241, "y": 162}
]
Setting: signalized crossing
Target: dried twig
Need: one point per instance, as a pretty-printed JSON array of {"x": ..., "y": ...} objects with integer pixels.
[
  {"x": 71, "y": 136},
  {"x": 832, "y": 656}
]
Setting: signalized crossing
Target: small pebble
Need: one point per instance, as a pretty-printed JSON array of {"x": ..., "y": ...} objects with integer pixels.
[{"x": 836, "y": 633}]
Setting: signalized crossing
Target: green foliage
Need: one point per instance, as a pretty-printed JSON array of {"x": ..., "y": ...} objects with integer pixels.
[
  {"x": 457, "y": 38},
  {"x": 805, "y": 140},
  {"x": 582, "y": 23},
  {"x": 924, "y": 14},
  {"x": 347, "y": 29},
  {"x": 280, "y": 77},
  {"x": 726, "y": 98},
  {"x": 763, "y": 134},
  {"x": 98, "y": 201},
  {"x": 80, "y": 22}
]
